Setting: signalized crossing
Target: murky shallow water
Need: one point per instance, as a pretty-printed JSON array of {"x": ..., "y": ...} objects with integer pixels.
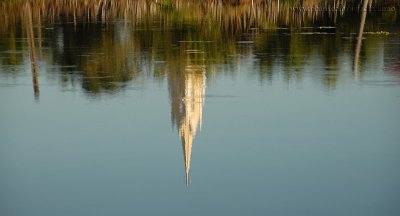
[{"x": 176, "y": 121}]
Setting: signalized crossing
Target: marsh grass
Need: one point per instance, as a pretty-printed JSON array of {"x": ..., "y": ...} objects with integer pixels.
[{"x": 230, "y": 15}]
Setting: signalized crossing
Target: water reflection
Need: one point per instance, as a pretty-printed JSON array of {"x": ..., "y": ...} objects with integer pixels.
[
  {"x": 104, "y": 52},
  {"x": 359, "y": 39},
  {"x": 187, "y": 91},
  {"x": 110, "y": 46},
  {"x": 32, "y": 49}
]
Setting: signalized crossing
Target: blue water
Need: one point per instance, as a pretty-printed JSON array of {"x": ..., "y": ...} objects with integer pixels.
[{"x": 281, "y": 139}]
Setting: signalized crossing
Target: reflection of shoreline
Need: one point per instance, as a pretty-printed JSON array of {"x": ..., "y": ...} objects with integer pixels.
[
  {"x": 106, "y": 58},
  {"x": 187, "y": 92}
]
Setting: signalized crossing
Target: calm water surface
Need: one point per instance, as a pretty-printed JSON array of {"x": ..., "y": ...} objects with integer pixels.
[{"x": 150, "y": 119}]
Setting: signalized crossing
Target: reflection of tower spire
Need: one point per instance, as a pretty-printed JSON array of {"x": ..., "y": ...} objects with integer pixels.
[
  {"x": 193, "y": 108},
  {"x": 187, "y": 96}
]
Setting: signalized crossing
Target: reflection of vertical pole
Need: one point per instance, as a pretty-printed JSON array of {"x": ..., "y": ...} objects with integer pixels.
[
  {"x": 74, "y": 19},
  {"x": 40, "y": 36},
  {"x": 252, "y": 9},
  {"x": 278, "y": 6},
  {"x": 32, "y": 54},
  {"x": 359, "y": 39}
]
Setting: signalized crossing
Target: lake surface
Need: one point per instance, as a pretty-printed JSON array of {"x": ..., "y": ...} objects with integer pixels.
[{"x": 172, "y": 118}]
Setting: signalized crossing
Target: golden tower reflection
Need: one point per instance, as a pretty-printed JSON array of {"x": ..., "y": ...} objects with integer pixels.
[{"x": 187, "y": 89}]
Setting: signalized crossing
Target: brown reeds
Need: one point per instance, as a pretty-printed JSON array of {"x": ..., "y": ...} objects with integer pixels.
[{"x": 231, "y": 15}]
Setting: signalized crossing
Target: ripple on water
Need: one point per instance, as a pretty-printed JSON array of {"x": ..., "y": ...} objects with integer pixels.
[
  {"x": 245, "y": 42},
  {"x": 200, "y": 41}
]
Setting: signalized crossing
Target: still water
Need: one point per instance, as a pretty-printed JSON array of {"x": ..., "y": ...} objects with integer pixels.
[{"x": 174, "y": 118}]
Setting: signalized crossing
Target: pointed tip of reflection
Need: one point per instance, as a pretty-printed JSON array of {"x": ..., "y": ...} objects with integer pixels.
[{"x": 187, "y": 180}]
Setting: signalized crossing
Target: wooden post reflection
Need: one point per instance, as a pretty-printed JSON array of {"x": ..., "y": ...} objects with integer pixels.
[
  {"x": 359, "y": 40},
  {"x": 31, "y": 45}
]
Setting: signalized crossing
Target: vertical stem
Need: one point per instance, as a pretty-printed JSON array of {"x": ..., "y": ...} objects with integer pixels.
[
  {"x": 278, "y": 6},
  {"x": 31, "y": 45},
  {"x": 39, "y": 29},
  {"x": 359, "y": 39},
  {"x": 74, "y": 19}
]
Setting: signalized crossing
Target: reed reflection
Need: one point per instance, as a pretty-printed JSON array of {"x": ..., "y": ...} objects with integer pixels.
[
  {"x": 359, "y": 40},
  {"x": 105, "y": 46},
  {"x": 32, "y": 49}
]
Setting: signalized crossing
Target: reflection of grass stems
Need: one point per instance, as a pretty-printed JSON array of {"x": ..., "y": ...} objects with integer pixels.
[
  {"x": 359, "y": 39},
  {"x": 229, "y": 14},
  {"x": 154, "y": 31},
  {"x": 32, "y": 50}
]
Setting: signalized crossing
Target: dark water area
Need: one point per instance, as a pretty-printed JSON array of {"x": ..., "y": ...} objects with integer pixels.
[{"x": 172, "y": 112}]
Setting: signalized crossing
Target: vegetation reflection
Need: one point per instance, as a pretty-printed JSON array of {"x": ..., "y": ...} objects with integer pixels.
[{"x": 105, "y": 45}]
